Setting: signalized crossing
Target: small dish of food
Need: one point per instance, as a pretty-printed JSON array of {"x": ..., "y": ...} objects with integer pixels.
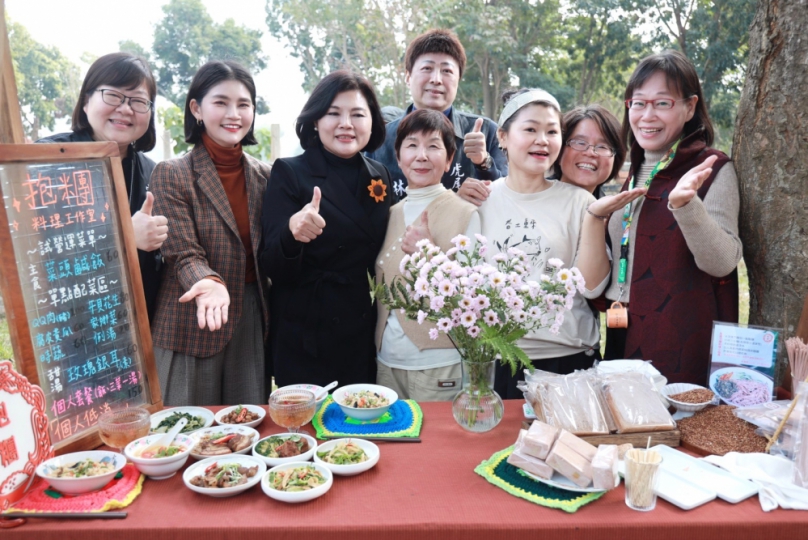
[
  {"x": 297, "y": 482},
  {"x": 224, "y": 476},
  {"x": 198, "y": 418},
  {"x": 243, "y": 415},
  {"x": 687, "y": 398},
  {"x": 364, "y": 401},
  {"x": 162, "y": 462},
  {"x": 81, "y": 472},
  {"x": 347, "y": 457},
  {"x": 222, "y": 440},
  {"x": 284, "y": 448}
]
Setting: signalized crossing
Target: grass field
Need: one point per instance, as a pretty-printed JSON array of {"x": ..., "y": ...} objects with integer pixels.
[{"x": 6, "y": 352}]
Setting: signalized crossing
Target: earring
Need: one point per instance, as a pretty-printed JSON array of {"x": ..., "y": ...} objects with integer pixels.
[
  {"x": 315, "y": 128},
  {"x": 199, "y": 122}
]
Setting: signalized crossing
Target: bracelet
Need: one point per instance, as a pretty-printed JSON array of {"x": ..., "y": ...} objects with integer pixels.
[{"x": 602, "y": 218}]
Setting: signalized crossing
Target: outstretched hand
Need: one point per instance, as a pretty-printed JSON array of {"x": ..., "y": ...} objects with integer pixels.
[
  {"x": 308, "y": 224},
  {"x": 475, "y": 191},
  {"x": 689, "y": 184},
  {"x": 612, "y": 203},
  {"x": 212, "y": 303},
  {"x": 415, "y": 232}
]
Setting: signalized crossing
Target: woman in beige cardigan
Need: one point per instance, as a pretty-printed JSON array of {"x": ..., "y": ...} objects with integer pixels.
[{"x": 408, "y": 361}]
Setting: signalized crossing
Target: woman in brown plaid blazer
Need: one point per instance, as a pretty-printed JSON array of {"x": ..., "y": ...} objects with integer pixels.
[
  {"x": 324, "y": 220},
  {"x": 211, "y": 316}
]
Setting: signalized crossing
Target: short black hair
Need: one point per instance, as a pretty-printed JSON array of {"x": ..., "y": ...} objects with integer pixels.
[
  {"x": 206, "y": 78},
  {"x": 609, "y": 127},
  {"x": 324, "y": 95},
  {"x": 122, "y": 70},
  {"x": 427, "y": 121},
  {"x": 437, "y": 40},
  {"x": 682, "y": 77}
]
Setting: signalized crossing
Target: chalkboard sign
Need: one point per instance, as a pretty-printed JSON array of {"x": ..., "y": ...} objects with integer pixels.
[{"x": 72, "y": 287}]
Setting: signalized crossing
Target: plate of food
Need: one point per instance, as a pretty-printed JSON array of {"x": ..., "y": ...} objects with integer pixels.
[
  {"x": 198, "y": 418},
  {"x": 347, "y": 457},
  {"x": 161, "y": 462},
  {"x": 284, "y": 448},
  {"x": 222, "y": 440},
  {"x": 224, "y": 476},
  {"x": 364, "y": 401},
  {"x": 243, "y": 415},
  {"x": 297, "y": 482},
  {"x": 741, "y": 387},
  {"x": 81, "y": 472}
]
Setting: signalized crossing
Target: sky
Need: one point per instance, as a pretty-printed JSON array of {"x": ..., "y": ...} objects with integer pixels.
[{"x": 96, "y": 27}]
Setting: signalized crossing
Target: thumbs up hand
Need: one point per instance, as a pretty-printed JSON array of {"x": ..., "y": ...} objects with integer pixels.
[
  {"x": 308, "y": 224},
  {"x": 150, "y": 231},
  {"x": 415, "y": 232},
  {"x": 474, "y": 143}
]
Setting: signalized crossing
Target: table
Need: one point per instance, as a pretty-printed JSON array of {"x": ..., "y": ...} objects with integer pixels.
[{"x": 417, "y": 491}]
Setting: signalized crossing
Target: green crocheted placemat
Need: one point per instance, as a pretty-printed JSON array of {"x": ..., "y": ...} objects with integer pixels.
[{"x": 502, "y": 474}]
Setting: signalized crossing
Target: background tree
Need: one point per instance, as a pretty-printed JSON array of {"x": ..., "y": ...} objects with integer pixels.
[
  {"x": 47, "y": 82},
  {"x": 771, "y": 156}
]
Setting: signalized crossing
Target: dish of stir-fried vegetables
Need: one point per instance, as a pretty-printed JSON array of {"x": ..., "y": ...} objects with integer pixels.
[
  {"x": 344, "y": 453},
  {"x": 296, "y": 479},
  {"x": 365, "y": 399}
]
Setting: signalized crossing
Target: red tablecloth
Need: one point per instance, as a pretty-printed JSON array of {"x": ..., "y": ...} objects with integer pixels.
[{"x": 417, "y": 491}]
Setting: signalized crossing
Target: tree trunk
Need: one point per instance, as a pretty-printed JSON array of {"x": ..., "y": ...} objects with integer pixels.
[{"x": 771, "y": 156}]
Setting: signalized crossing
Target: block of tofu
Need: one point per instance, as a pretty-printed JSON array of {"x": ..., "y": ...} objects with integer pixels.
[
  {"x": 585, "y": 449},
  {"x": 604, "y": 467},
  {"x": 530, "y": 464},
  {"x": 539, "y": 439},
  {"x": 570, "y": 464}
]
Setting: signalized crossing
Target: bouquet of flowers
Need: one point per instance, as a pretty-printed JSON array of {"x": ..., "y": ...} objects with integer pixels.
[{"x": 484, "y": 309}]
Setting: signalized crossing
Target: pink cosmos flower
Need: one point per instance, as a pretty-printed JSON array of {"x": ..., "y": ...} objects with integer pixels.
[
  {"x": 421, "y": 316},
  {"x": 445, "y": 324},
  {"x": 447, "y": 288},
  {"x": 433, "y": 334},
  {"x": 491, "y": 317},
  {"x": 437, "y": 303},
  {"x": 468, "y": 318},
  {"x": 474, "y": 331},
  {"x": 483, "y": 302}
]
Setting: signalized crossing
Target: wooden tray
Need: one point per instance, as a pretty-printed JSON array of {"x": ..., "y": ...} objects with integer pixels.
[{"x": 639, "y": 440}]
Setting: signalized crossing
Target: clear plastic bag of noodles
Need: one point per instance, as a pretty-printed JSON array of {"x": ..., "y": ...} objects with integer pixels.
[
  {"x": 569, "y": 402},
  {"x": 635, "y": 403}
]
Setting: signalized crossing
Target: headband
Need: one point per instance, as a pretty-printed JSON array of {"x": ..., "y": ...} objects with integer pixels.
[{"x": 520, "y": 100}]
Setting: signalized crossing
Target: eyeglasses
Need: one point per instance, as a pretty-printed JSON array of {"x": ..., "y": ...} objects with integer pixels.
[
  {"x": 599, "y": 149},
  {"x": 116, "y": 99},
  {"x": 657, "y": 104}
]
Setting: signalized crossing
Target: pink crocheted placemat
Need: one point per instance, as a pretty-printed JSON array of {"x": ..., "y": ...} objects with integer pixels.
[{"x": 120, "y": 492}]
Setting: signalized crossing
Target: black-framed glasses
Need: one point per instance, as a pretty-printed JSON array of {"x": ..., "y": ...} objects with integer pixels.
[
  {"x": 582, "y": 146},
  {"x": 116, "y": 99},
  {"x": 657, "y": 104}
]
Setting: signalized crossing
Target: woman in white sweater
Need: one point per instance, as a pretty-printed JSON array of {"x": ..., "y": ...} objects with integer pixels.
[{"x": 408, "y": 361}]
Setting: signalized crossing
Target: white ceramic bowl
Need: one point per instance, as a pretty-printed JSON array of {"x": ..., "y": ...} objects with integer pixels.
[
  {"x": 158, "y": 468},
  {"x": 203, "y": 413},
  {"x": 678, "y": 388},
  {"x": 310, "y": 387},
  {"x": 85, "y": 484},
  {"x": 364, "y": 414},
  {"x": 371, "y": 450},
  {"x": 245, "y": 461},
  {"x": 261, "y": 411},
  {"x": 225, "y": 429},
  {"x": 738, "y": 373},
  {"x": 272, "y": 462},
  {"x": 297, "y": 496}
]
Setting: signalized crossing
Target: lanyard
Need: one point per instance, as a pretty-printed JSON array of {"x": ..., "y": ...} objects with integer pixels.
[{"x": 627, "y": 211}]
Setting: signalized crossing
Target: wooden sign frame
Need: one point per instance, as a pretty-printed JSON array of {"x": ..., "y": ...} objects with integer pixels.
[{"x": 11, "y": 287}]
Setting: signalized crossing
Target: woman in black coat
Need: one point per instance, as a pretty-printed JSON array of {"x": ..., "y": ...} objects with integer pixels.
[{"x": 324, "y": 219}]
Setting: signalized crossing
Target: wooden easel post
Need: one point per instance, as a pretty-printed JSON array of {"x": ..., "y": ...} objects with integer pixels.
[{"x": 11, "y": 131}]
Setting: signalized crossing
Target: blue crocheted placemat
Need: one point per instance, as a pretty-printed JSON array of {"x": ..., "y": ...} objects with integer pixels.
[{"x": 403, "y": 419}]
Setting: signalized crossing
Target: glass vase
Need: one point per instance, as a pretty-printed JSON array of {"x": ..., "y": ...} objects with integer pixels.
[{"x": 477, "y": 407}]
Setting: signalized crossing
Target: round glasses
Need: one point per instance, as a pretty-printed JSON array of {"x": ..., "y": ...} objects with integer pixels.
[
  {"x": 599, "y": 149},
  {"x": 116, "y": 99},
  {"x": 657, "y": 104}
]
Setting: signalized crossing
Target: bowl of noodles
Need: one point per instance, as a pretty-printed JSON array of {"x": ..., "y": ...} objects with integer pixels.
[
  {"x": 365, "y": 401},
  {"x": 81, "y": 472},
  {"x": 741, "y": 387}
]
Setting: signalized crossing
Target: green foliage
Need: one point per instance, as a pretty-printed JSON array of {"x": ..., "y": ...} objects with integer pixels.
[
  {"x": 173, "y": 118},
  {"x": 187, "y": 38},
  {"x": 134, "y": 47},
  {"x": 47, "y": 82},
  {"x": 262, "y": 150},
  {"x": 6, "y": 352}
]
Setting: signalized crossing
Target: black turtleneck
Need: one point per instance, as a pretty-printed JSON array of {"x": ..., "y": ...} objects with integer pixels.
[{"x": 348, "y": 170}]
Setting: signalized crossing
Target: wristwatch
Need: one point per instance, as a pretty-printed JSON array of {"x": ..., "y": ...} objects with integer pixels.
[{"x": 487, "y": 163}]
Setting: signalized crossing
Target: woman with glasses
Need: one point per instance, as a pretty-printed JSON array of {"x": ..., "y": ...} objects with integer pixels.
[
  {"x": 593, "y": 151},
  {"x": 116, "y": 104},
  {"x": 675, "y": 250}
]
